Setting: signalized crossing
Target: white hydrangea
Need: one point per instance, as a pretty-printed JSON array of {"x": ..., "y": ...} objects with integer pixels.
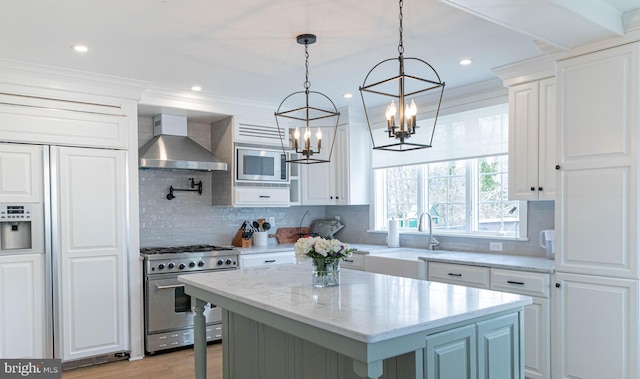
[{"x": 317, "y": 247}]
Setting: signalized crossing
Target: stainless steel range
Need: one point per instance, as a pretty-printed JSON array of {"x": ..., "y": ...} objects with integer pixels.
[{"x": 168, "y": 311}]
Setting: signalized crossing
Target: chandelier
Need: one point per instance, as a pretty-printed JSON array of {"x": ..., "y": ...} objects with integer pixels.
[
  {"x": 308, "y": 120},
  {"x": 400, "y": 125}
]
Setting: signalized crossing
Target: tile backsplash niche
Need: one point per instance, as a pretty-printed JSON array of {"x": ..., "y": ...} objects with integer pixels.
[{"x": 190, "y": 218}]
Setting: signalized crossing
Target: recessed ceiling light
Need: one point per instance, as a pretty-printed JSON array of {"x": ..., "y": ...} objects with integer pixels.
[
  {"x": 196, "y": 88},
  {"x": 466, "y": 62},
  {"x": 348, "y": 95},
  {"x": 80, "y": 48}
]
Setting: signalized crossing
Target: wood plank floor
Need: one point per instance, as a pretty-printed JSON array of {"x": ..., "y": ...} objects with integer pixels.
[{"x": 173, "y": 365}]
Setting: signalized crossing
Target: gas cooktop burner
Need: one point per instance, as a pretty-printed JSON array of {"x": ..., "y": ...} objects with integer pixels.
[{"x": 182, "y": 249}]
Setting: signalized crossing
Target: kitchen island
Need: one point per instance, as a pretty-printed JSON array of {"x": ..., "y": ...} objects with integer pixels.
[{"x": 277, "y": 325}]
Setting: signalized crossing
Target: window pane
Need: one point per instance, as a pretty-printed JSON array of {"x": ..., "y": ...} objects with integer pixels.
[
  {"x": 402, "y": 194},
  {"x": 493, "y": 206},
  {"x": 447, "y": 194}
]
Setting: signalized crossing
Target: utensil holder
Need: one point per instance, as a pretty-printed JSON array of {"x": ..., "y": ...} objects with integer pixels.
[{"x": 260, "y": 238}]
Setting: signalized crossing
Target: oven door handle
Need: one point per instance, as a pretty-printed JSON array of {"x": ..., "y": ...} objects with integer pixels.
[{"x": 159, "y": 287}]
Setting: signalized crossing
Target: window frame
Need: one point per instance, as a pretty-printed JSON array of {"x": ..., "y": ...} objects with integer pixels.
[{"x": 379, "y": 223}]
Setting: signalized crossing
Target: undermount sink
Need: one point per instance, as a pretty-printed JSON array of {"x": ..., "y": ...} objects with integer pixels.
[{"x": 405, "y": 263}]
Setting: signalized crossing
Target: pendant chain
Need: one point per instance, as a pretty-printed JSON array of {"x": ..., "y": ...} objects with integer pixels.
[
  {"x": 400, "y": 45},
  {"x": 307, "y": 84}
]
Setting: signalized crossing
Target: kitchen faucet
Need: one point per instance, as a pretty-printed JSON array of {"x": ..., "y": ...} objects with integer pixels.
[{"x": 432, "y": 241}]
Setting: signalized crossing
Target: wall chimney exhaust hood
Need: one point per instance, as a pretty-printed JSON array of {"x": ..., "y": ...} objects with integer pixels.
[{"x": 170, "y": 148}]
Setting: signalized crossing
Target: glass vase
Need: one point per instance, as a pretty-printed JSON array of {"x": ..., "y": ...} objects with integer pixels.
[{"x": 325, "y": 274}]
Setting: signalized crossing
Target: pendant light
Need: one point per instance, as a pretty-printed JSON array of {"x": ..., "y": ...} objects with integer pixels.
[
  {"x": 306, "y": 120},
  {"x": 400, "y": 127}
]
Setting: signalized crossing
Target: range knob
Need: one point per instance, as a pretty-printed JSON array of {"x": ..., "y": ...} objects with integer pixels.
[
  {"x": 161, "y": 266},
  {"x": 181, "y": 266},
  {"x": 201, "y": 263},
  {"x": 192, "y": 264},
  {"x": 220, "y": 262},
  {"x": 171, "y": 265},
  {"x": 228, "y": 261}
]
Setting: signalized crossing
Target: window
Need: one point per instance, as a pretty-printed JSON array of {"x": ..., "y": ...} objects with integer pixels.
[{"x": 465, "y": 191}]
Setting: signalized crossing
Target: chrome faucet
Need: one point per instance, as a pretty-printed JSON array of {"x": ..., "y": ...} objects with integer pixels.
[{"x": 432, "y": 241}]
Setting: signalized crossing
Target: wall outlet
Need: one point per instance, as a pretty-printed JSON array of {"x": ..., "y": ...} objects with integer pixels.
[
  {"x": 495, "y": 246},
  {"x": 272, "y": 220},
  {"x": 337, "y": 218}
]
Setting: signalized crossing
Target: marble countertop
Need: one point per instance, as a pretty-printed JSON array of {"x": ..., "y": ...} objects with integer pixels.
[
  {"x": 503, "y": 261},
  {"x": 365, "y": 306}
]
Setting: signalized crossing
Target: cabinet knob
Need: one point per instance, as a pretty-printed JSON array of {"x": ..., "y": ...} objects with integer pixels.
[
  {"x": 331, "y": 197},
  {"x": 533, "y": 188},
  {"x": 557, "y": 167},
  {"x": 337, "y": 197},
  {"x": 539, "y": 188},
  {"x": 557, "y": 285}
]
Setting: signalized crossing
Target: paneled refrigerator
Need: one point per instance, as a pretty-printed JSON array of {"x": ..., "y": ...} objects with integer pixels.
[{"x": 63, "y": 267}]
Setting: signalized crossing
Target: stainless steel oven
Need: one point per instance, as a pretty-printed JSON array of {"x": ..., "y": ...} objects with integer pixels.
[{"x": 168, "y": 311}]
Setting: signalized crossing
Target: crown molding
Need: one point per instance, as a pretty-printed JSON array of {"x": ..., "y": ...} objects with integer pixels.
[{"x": 30, "y": 79}]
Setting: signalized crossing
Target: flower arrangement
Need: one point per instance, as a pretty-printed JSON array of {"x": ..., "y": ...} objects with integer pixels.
[
  {"x": 326, "y": 256},
  {"x": 320, "y": 249}
]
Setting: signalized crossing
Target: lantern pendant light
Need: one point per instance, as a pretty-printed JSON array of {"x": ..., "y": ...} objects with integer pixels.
[
  {"x": 308, "y": 120},
  {"x": 402, "y": 89}
]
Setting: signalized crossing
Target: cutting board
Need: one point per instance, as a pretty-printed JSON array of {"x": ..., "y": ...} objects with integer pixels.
[{"x": 289, "y": 235}]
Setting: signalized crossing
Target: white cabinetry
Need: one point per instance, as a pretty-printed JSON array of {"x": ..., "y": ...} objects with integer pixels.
[
  {"x": 90, "y": 293},
  {"x": 596, "y": 317},
  {"x": 345, "y": 180},
  {"x": 22, "y": 309},
  {"x": 226, "y": 190},
  {"x": 537, "y": 317},
  {"x": 464, "y": 275},
  {"x": 267, "y": 259},
  {"x": 20, "y": 174},
  {"x": 532, "y": 140}
]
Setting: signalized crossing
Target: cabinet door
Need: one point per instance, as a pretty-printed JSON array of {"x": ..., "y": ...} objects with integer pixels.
[
  {"x": 537, "y": 329},
  {"x": 597, "y": 210},
  {"x": 451, "y": 354},
  {"x": 318, "y": 185},
  {"x": 340, "y": 166},
  {"x": 499, "y": 347},
  {"x": 20, "y": 173},
  {"x": 523, "y": 141},
  {"x": 89, "y": 191},
  {"x": 547, "y": 140},
  {"x": 22, "y": 306},
  {"x": 595, "y": 327}
]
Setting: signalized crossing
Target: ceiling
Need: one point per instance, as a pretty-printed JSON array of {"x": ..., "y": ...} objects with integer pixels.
[{"x": 247, "y": 49}]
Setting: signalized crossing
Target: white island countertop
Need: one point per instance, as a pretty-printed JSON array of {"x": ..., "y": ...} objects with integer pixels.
[{"x": 365, "y": 307}]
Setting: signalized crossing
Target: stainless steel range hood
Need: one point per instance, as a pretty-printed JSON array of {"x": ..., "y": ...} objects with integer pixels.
[{"x": 170, "y": 148}]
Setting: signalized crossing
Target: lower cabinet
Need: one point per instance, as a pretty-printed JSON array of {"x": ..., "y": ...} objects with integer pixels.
[
  {"x": 595, "y": 327},
  {"x": 495, "y": 342},
  {"x": 267, "y": 259},
  {"x": 537, "y": 316},
  {"x": 22, "y": 306}
]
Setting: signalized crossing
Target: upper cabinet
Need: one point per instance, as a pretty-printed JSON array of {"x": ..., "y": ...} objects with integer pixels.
[
  {"x": 20, "y": 173},
  {"x": 532, "y": 112},
  {"x": 231, "y": 133},
  {"x": 344, "y": 180}
]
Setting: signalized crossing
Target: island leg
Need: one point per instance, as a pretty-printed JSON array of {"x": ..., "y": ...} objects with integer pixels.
[
  {"x": 368, "y": 370},
  {"x": 200, "y": 339}
]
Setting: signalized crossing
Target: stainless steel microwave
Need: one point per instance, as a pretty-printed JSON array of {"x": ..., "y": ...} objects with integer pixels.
[{"x": 261, "y": 165}]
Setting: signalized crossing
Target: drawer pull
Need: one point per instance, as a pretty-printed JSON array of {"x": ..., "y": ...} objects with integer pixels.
[
  {"x": 457, "y": 275},
  {"x": 514, "y": 282},
  {"x": 348, "y": 260},
  {"x": 269, "y": 261},
  {"x": 264, "y": 196}
]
